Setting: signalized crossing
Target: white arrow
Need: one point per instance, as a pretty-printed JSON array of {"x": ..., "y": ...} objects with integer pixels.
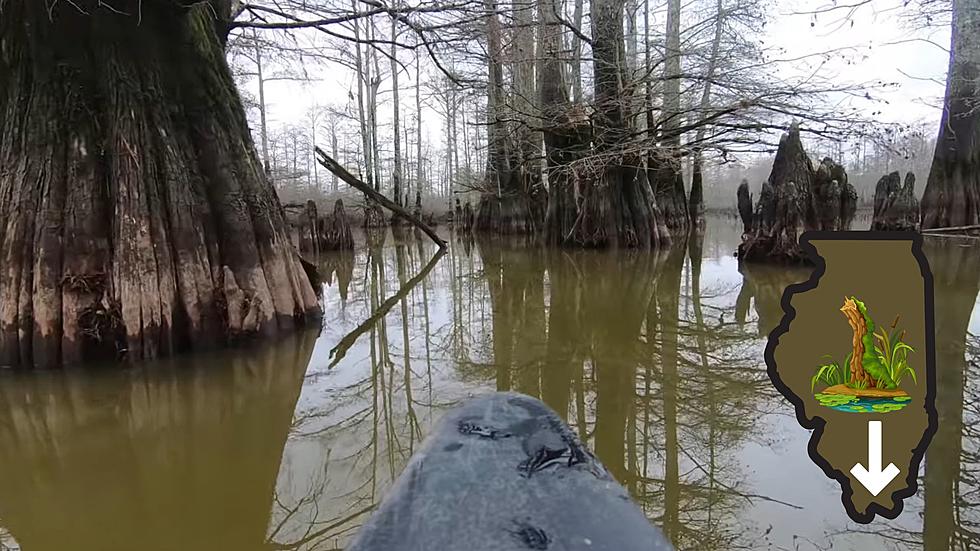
[{"x": 873, "y": 478}]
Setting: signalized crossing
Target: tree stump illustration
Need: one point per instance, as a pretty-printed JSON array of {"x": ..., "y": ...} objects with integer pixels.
[{"x": 854, "y": 317}]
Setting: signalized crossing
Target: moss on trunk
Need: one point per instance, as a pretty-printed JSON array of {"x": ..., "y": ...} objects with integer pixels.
[{"x": 127, "y": 164}]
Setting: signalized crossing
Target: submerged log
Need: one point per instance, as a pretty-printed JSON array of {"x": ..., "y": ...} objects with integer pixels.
[
  {"x": 796, "y": 197},
  {"x": 895, "y": 205},
  {"x": 335, "y": 232},
  {"x": 845, "y": 390},
  {"x": 503, "y": 471}
]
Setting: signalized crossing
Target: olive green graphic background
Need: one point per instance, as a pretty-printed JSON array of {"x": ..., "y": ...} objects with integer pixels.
[{"x": 886, "y": 276}]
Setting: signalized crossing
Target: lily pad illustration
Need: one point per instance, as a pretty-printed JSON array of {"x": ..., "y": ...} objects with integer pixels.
[{"x": 870, "y": 377}]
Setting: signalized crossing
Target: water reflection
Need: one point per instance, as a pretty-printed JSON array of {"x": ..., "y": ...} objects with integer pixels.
[
  {"x": 183, "y": 454},
  {"x": 655, "y": 359},
  {"x": 642, "y": 358}
]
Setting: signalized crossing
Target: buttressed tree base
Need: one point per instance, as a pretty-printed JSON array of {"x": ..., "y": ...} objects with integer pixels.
[{"x": 136, "y": 218}]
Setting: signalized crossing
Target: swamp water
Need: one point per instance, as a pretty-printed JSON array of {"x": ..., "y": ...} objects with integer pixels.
[{"x": 654, "y": 359}]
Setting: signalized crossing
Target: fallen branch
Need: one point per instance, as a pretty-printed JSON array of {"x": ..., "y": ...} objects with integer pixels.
[
  {"x": 339, "y": 171},
  {"x": 338, "y": 352},
  {"x": 972, "y": 227}
]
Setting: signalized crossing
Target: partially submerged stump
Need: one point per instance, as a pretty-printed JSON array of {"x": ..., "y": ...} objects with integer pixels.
[
  {"x": 833, "y": 201},
  {"x": 895, "y": 206},
  {"x": 335, "y": 232},
  {"x": 417, "y": 210},
  {"x": 795, "y": 198},
  {"x": 302, "y": 220},
  {"x": 745, "y": 206},
  {"x": 457, "y": 213},
  {"x": 374, "y": 215},
  {"x": 467, "y": 218}
]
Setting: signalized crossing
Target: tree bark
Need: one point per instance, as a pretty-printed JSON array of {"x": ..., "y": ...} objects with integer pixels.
[
  {"x": 954, "y": 265},
  {"x": 373, "y": 216},
  {"x": 566, "y": 136},
  {"x": 419, "y": 172},
  {"x": 895, "y": 205},
  {"x": 695, "y": 205},
  {"x": 515, "y": 205},
  {"x": 577, "y": 53},
  {"x": 335, "y": 233},
  {"x": 396, "y": 176},
  {"x": 260, "y": 77},
  {"x": 134, "y": 206},
  {"x": 616, "y": 205},
  {"x": 952, "y": 194},
  {"x": 745, "y": 206},
  {"x": 796, "y": 197},
  {"x": 666, "y": 167},
  {"x": 498, "y": 154}
]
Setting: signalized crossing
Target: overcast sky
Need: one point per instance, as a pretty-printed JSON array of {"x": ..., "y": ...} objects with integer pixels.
[
  {"x": 884, "y": 46},
  {"x": 878, "y": 45}
]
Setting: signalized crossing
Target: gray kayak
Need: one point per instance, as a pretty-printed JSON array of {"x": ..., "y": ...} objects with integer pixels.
[{"x": 504, "y": 472}]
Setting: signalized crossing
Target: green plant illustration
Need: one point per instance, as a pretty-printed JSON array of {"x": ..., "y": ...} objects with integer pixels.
[
  {"x": 870, "y": 377},
  {"x": 830, "y": 373}
]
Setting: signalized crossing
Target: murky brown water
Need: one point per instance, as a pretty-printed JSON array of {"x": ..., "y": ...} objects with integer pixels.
[{"x": 656, "y": 361}]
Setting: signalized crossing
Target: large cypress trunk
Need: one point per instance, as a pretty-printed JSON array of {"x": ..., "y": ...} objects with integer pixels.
[
  {"x": 566, "y": 130},
  {"x": 514, "y": 199},
  {"x": 135, "y": 218},
  {"x": 952, "y": 194},
  {"x": 616, "y": 206},
  {"x": 516, "y": 206}
]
